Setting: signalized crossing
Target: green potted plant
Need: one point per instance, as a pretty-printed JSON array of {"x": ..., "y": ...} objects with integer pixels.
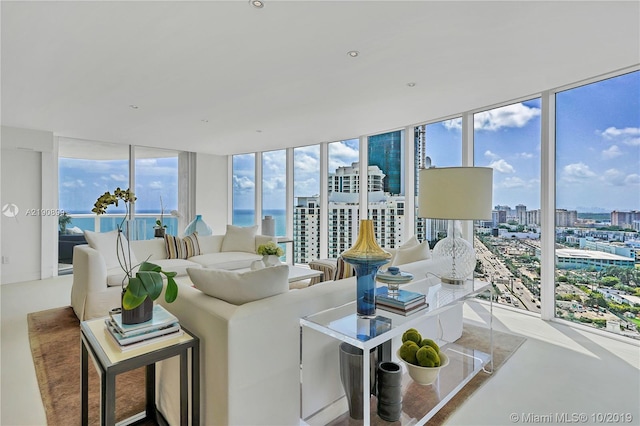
[
  {"x": 270, "y": 252},
  {"x": 160, "y": 228},
  {"x": 145, "y": 286},
  {"x": 63, "y": 220}
]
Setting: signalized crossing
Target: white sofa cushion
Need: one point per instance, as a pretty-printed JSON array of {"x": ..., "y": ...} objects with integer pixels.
[
  {"x": 239, "y": 288},
  {"x": 179, "y": 266},
  {"x": 226, "y": 260},
  {"x": 417, "y": 252},
  {"x": 240, "y": 238},
  {"x": 106, "y": 243},
  {"x": 210, "y": 243}
]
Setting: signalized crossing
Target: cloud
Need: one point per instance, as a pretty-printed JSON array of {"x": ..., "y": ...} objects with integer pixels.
[
  {"x": 614, "y": 177},
  {"x": 156, "y": 184},
  {"x": 77, "y": 183},
  {"x": 306, "y": 162},
  {"x": 454, "y": 124},
  {"x": 274, "y": 184},
  {"x": 628, "y": 135},
  {"x": 513, "y": 182},
  {"x": 525, "y": 155},
  {"x": 342, "y": 154},
  {"x": 118, "y": 178},
  {"x": 243, "y": 183},
  {"x": 612, "y": 152},
  {"x": 502, "y": 166},
  {"x": 632, "y": 179},
  {"x": 577, "y": 172},
  {"x": 515, "y": 115},
  {"x": 491, "y": 155},
  {"x": 146, "y": 162}
]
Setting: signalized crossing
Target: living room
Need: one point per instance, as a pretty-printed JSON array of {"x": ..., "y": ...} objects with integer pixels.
[{"x": 282, "y": 92}]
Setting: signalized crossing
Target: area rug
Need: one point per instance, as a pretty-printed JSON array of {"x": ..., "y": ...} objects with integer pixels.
[{"x": 54, "y": 336}]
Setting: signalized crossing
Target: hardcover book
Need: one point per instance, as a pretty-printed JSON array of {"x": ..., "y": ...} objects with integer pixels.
[{"x": 161, "y": 318}]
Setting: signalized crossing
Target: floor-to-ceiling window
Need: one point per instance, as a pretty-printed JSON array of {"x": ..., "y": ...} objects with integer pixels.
[
  {"x": 507, "y": 139},
  {"x": 435, "y": 145},
  {"x": 598, "y": 204},
  {"x": 156, "y": 180},
  {"x": 88, "y": 169},
  {"x": 306, "y": 207},
  {"x": 385, "y": 187},
  {"x": 343, "y": 198},
  {"x": 274, "y": 191},
  {"x": 244, "y": 189}
]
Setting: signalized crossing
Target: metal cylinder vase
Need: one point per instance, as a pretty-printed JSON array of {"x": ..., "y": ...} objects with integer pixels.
[
  {"x": 366, "y": 256},
  {"x": 351, "y": 377},
  {"x": 389, "y": 391}
]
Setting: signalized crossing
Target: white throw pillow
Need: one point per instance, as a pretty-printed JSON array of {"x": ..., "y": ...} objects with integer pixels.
[
  {"x": 238, "y": 288},
  {"x": 412, "y": 254},
  {"x": 240, "y": 238},
  {"x": 411, "y": 242},
  {"x": 106, "y": 243}
]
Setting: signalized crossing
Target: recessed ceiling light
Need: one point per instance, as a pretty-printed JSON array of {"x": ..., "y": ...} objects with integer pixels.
[
  {"x": 353, "y": 53},
  {"x": 258, "y": 131},
  {"x": 133, "y": 106},
  {"x": 256, "y": 3},
  {"x": 204, "y": 120},
  {"x": 411, "y": 84}
]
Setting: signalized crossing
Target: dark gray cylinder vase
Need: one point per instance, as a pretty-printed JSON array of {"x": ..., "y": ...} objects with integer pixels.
[
  {"x": 351, "y": 377},
  {"x": 142, "y": 313},
  {"x": 389, "y": 391}
]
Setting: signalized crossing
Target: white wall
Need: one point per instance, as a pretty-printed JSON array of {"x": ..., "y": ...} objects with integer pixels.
[
  {"x": 25, "y": 155},
  {"x": 212, "y": 189}
]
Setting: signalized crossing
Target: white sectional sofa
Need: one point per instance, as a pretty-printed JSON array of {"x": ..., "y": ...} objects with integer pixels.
[
  {"x": 97, "y": 278},
  {"x": 250, "y": 353}
]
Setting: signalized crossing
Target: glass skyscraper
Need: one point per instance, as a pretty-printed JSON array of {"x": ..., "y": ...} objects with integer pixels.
[{"x": 385, "y": 151}]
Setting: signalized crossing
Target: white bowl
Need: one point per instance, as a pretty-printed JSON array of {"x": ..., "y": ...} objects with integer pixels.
[{"x": 425, "y": 375}]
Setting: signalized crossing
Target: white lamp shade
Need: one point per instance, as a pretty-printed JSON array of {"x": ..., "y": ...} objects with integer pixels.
[{"x": 455, "y": 193}]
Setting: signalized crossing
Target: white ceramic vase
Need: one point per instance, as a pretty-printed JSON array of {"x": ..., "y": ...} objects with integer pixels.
[{"x": 271, "y": 259}]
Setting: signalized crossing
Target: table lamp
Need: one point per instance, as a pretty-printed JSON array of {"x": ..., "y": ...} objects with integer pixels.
[{"x": 455, "y": 193}]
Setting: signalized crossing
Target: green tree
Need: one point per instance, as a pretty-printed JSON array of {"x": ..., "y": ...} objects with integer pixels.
[{"x": 610, "y": 281}]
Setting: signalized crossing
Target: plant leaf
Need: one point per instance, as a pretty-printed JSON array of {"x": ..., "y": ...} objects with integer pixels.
[
  {"x": 135, "y": 287},
  {"x": 148, "y": 266},
  {"x": 152, "y": 282},
  {"x": 172, "y": 290},
  {"x": 130, "y": 301}
]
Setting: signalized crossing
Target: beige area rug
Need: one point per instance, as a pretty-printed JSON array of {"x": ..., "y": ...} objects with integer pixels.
[
  {"x": 504, "y": 345},
  {"x": 54, "y": 336}
]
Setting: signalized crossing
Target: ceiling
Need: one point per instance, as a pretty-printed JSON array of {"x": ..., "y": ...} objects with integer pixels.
[{"x": 223, "y": 77}]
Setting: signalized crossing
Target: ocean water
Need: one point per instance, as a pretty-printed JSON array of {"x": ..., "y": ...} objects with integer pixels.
[
  {"x": 143, "y": 228},
  {"x": 246, "y": 218}
]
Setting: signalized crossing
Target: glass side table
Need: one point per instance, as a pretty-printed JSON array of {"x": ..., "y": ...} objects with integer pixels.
[
  {"x": 342, "y": 323},
  {"x": 110, "y": 362}
]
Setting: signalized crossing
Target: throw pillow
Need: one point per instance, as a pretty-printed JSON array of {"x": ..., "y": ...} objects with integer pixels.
[
  {"x": 412, "y": 254},
  {"x": 411, "y": 242},
  {"x": 192, "y": 245},
  {"x": 240, "y": 238},
  {"x": 343, "y": 270},
  {"x": 106, "y": 243},
  {"x": 239, "y": 288},
  {"x": 175, "y": 247}
]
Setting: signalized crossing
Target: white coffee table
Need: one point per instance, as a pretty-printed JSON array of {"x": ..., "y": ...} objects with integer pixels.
[{"x": 296, "y": 273}]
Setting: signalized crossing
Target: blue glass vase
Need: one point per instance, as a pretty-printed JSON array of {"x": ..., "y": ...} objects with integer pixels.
[
  {"x": 198, "y": 225},
  {"x": 366, "y": 256}
]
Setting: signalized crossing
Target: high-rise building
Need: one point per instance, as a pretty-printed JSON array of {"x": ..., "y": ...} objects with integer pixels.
[
  {"x": 306, "y": 227},
  {"x": 521, "y": 214},
  {"x": 385, "y": 151},
  {"x": 624, "y": 219}
]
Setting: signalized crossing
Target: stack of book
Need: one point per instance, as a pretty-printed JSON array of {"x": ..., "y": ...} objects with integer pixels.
[
  {"x": 402, "y": 302},
  {"x": 162, "y": 326}
]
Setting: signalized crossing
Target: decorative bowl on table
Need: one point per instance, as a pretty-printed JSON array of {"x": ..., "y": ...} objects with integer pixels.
[
  {"x": 425, "y": 375},
  {"x": 393, "y": 277}
]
